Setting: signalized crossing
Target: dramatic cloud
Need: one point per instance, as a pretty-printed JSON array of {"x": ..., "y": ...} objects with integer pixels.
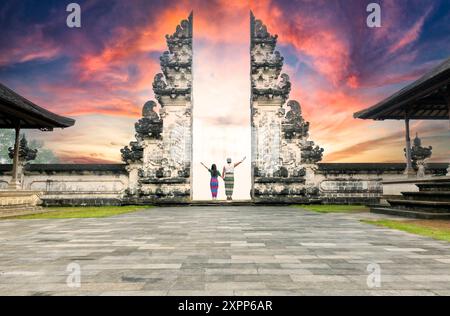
[{"x": 102, "y": 73}]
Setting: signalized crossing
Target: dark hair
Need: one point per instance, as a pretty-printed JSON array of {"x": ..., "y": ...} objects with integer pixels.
[{"x": 214, "y": 171}]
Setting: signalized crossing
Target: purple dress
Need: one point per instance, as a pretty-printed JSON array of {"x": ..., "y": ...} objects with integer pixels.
[{"x": 214, "y": 183}]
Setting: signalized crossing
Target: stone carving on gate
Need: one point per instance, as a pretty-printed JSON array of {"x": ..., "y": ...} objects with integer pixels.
[
  {"x": 284, "y": 159},
  {"x": 159, "y": 160},
  {"x": 150, "y": 125}
]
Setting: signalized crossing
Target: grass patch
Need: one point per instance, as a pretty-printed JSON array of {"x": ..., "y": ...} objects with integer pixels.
[
  {"x": 440, "y": 233},
  {"x": 83, "y": 212},
  {"x": 333, "y": 208}
]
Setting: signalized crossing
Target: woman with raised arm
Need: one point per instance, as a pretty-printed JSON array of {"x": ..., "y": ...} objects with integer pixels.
[
  {"x": 214, "y": 183},
  {"x": 228, "y": 177}
]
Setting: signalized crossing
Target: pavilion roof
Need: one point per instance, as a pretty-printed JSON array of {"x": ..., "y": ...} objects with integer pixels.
[
  {"x": 425, "y": 99},
  {"x": 15, "y": 108}
]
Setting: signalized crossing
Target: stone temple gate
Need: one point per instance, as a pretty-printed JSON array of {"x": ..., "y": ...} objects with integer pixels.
[
  {"x": 159, "y": 161},
  {"x": 283, "y": 159}
]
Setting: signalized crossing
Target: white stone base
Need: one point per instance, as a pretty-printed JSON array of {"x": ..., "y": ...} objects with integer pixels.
[
  {"x": 18, "y": 202},
  {"x": 176, "y": 192}
]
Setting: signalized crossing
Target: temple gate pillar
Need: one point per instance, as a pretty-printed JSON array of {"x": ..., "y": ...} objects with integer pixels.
[
  {"x": 283, "y": 159},
  {"x": 163, "y": 146}
]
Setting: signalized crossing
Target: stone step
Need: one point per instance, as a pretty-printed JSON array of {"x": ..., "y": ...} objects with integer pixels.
[
  {"x": 255, "y": 202},
  {"x": 15, "y": 206},
  {"x": 434, "y": 186},
  {"x": 29, "y": 210},
  {"x": 222, "y": 203},
  {"x": 409, "y": 213},
  {"x": 18, "y": 208},
  {"x": 286, "y": 201},
  {"x": 438, "y": 196},
  {"x": 428, "y": 206}
]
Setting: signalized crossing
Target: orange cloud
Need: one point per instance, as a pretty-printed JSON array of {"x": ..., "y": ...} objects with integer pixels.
[
  {"x": 131, "y": 42},
  {"x": 307, "y": 34},
  {"x": 359, "y": 149},
  {"x": 353, "y": 81},
  {"x": 73, "y": 158}
]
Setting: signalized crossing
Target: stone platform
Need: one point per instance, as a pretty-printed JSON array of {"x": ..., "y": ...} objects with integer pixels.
[
  {"x": 19, "y": 202},
  {"x": 266, "y": 250},
  {"x": 255, "y": 202},
  {"x": 428, "y": 199},
  {"x": 231, "y": 203},
  {"x": 221, "y": 203}
]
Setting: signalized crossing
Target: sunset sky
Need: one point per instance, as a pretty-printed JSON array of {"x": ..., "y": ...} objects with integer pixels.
[{"x": 102, "y": 73}]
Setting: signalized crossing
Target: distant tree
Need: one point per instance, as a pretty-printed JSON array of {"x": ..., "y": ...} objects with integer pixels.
[
  {"x": 44, "y": 155},
  {"x": 6, "y": 141}
]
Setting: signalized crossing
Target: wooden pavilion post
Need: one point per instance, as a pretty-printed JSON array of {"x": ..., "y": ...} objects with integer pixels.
[
  {"x": 447, "y": 97},
  {"x": 409, "y": 171},
  {"x": 14, "y": 184}
]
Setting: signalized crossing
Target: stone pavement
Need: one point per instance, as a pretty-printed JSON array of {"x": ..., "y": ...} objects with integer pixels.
[{"x": 218, "y": 251}]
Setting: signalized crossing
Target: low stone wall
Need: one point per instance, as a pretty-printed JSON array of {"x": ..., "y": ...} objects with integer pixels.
[
  {"x": 360, "y": 183},
  {"x": 100, "y": 184},
  {"x": 72, "y": 184}
]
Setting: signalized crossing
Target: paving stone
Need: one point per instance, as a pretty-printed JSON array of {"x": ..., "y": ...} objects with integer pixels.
[
  {"x": 264, "y": 250},
  {"x": 401, "y": 293},
  {"x": 235, "y": 286}
]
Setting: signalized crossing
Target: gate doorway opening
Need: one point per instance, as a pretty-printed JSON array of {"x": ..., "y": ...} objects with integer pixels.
[{"x": 221, "y": 112}]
